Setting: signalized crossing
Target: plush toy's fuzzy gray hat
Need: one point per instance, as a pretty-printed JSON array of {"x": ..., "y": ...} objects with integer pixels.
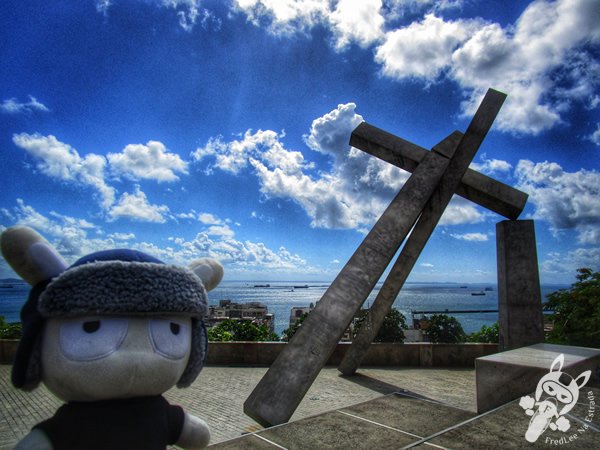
[{"x": 113, "y": 282}]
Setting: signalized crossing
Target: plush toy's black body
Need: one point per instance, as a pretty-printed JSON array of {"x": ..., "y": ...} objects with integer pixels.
[{"x": 147, "y": 422}]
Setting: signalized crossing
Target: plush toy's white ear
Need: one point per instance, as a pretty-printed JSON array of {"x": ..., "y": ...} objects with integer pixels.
[
  {"x": 209, "y": 270},
  {"x": 30, "y": 255}
]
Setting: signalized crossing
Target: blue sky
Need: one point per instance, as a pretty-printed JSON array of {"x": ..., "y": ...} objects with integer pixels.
[{"x": 188, "y": 128}]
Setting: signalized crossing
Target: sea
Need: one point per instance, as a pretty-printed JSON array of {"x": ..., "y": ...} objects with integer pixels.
[{"x": 281, "y": 296}]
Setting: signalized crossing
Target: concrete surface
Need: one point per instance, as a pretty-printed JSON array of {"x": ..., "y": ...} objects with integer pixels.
[
  {"x": 519, "y": 296},
  {"x": 285, "y": 384},
  {"x": 404, "y": 421},
  {"x": 388, "y": 422},
  {"x": 506, "y": 427},
  {"x": 218, "y": 394},
  {"x": 378, "y": 354},
  {"x": 474, "y": 186},
  {"x": 508, "y": 375},
  {"x": 426, "y": 223}
]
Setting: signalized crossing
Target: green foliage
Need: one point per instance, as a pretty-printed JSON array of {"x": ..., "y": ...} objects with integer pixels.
[
  {"x": 291, "y": 330},
  {"x": 576, "y": 318},
  {"x": 486, "y": 334},
  {"x": 391, "y": 329},
  {"x": 444, "y": 328},
  {"x": 219, "y": 334},
  {"x": 240, "y": 330},
  {"x": 10, "y": 330}
]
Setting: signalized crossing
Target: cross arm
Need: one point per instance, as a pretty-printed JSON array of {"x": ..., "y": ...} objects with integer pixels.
[{"x": 474, "y": 186}]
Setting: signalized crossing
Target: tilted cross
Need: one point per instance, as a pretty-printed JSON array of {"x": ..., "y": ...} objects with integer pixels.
[{"x": 436, "y": 176}]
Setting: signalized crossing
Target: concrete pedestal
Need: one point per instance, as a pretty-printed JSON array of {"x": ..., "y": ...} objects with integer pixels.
[
  {"x": 519, "y": 296},
  {"x": 506, "y": 376}
]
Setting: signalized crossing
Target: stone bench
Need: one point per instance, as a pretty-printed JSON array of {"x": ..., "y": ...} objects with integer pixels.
[{"x": 506, "y": 376}]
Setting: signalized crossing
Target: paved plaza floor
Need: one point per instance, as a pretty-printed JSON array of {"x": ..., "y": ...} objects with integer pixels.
[
  {"x": 217, "y": 396},
  {"x": 404, "y": 421}
]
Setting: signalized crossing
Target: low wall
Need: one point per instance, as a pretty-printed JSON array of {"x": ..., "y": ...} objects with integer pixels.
[
  {"x": 8, "y": 350},
  {"x": 379, "y": 354}
]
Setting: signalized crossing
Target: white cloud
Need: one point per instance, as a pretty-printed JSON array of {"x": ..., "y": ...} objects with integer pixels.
[
  {"x": 284, "y": 17},
  {"x": 560, "y": 264},
  {"x": 24, "y": 214},
  {"x": 190, "y": 13},
  {"x": 423, "y": 49},
  {"x": 67, "y": 234},
  {"x": 595, "y": 137},
  {"x": 151, "y": 161},
  {"x": 350, "y": 21},
  {"x": 136, "y": 206},
  {"x": 461, "y": 211},
  {"x": 359, "y": 22},
  {"x": 193, "y": 215},
  {"x": 233, "y": 156},
  {"x": 491, "y": 166},
  {"x": 330, "y": 133},
  {"x": 122, "y": 236},
  {"x": 353, "y": 193},
  {"x": 427, "y": 265},
  {"x": 396, "y": 9},
  {"x": 220, "y": 230},
  {"x": 589, "y": 234},
  {"x": 538, "y": 63},
  {"x": 209, "y": 219},
  {"x": 102, "y": 6},
  {"x": 568, "y": 200},
  {"x": 59, "y": 160},
  {"x": 541, "y": 61},
  {"x": 72, "y": 221},
  {"x": 471, "y": 237},
  {"x": 235, "y": 254},
  {"x": 13, "y": 106},
  {"x": 71, "y": 238}
]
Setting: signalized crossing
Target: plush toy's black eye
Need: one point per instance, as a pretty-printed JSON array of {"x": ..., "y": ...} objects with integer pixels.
[
  {"x": 175, "y": 327},
  {"x": 91, "y": 326}
]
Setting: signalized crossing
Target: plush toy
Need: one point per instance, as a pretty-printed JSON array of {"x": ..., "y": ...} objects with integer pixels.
[{"x": 109, "y": 335}]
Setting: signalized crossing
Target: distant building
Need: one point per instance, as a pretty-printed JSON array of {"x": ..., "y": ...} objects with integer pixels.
[
  {"x": 255, "y": 312},
  {"x": 298, "y": 311}
]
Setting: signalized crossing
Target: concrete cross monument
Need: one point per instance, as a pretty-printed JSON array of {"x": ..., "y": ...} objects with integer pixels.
[{"x": 436, "y": 176}]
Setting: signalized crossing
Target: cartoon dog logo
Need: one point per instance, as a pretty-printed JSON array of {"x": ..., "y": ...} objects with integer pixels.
[{"x": 556, "y": 394}]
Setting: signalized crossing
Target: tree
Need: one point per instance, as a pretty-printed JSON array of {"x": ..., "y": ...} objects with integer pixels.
[
  {"x": 240, "y": 330},
  {"x": 219, "y": 334},
  {"x": 576, "y": 317},
  {"x": 444, "y": 328},
  {"x": 291, "y": 330},
  {"x": 10, "y": 330},
  {"x": 391, "y": 329},
  {"x": 486, "y": 334}
]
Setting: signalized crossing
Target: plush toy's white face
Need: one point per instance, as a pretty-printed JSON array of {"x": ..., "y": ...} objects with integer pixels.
[{"x": 105, "y": 357}]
